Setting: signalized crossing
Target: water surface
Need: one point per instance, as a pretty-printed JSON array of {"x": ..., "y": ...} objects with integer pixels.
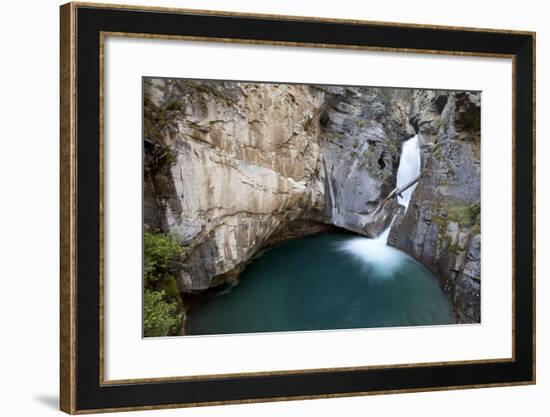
[{"x": 328, "y": 281}]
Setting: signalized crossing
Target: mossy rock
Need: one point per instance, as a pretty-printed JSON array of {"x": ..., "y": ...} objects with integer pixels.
[{"x": 466, "y": 215}]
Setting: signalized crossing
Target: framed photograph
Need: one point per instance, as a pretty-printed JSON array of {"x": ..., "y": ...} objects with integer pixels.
[{"x": 264, "y": 208}]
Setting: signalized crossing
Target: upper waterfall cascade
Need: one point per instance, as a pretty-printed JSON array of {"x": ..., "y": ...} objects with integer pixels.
[{"x": 408, "y": 170}]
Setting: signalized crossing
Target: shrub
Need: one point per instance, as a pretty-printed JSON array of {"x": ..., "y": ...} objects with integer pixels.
[
  {"x": 160, "y": 318},
  {"x": 163, "y": 310},
  {"x": 158, "y": 250}
]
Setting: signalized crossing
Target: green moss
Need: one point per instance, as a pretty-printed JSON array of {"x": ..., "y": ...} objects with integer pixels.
[
  {"x": 466, "y": 215},
  {"x": 474, "y": 213},
  {"x": 440, "y": 221},
  {"x": 370, "y": 156}
]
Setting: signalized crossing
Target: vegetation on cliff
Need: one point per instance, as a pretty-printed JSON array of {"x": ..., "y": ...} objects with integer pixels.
[
  {"x": 163, "y": 313},
  {"x": 466, "y": 215}
]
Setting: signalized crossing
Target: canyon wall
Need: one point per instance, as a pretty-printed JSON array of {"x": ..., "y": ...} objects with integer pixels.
[
  {"x": 441, "y": 227},
  {"x": 235, "y": 163}
]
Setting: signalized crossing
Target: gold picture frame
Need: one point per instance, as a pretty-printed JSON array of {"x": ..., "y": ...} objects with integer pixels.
[{"x": 78, "y": 393}]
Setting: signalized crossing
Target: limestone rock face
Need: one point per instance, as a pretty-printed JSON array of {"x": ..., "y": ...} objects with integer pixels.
[
  {"x": 441, "y": 227},
  {"x": 240, "y": 162}
]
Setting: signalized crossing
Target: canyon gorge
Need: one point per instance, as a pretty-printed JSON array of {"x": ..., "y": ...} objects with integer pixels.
[{"x": 234, "y": 168}]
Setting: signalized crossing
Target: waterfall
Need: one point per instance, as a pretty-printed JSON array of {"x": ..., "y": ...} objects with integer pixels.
[
  {"x": 408, "y": 170},
  {"x": 383, "y": 237},
  {"x": 375, "y": 252}
]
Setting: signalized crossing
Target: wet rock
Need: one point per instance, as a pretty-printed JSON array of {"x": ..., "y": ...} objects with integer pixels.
[
  {"x": 441, "y": 227},
  {"x": 360, "y": 149}
]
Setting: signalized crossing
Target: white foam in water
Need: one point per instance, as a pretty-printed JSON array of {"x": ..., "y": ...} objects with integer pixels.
[{"x": 374, "y": 253}]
